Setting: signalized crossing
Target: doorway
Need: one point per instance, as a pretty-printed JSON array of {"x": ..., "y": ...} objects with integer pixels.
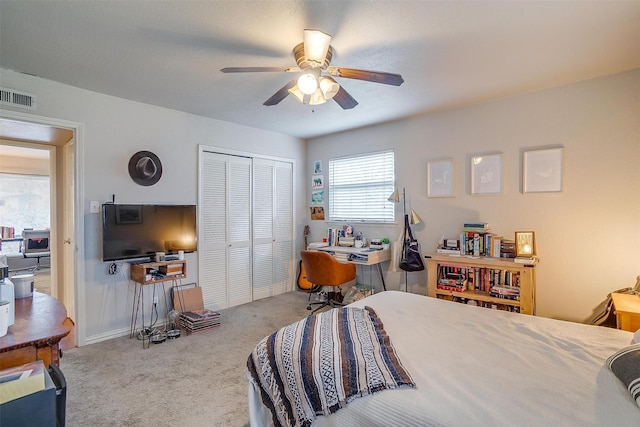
[{"x": 60, "y": 138}]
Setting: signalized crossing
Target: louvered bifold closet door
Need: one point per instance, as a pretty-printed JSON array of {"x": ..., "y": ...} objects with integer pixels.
[
  {"x": 263, "y": 233},
  {"x": 284, "y": 265},
  {"x": 239, "y": 231},
  {"x": 224, "y": 256}
]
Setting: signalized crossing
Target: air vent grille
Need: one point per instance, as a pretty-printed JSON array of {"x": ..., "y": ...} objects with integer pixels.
[{"x": 17, "y": 99}]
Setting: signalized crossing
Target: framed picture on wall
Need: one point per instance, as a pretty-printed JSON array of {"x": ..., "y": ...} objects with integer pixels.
[
  {"x": 440, "y": 178},
  {"x": 486, "y": 174},
  {"x": 317, "y": 182},
  {"x": 542, "y": 171}
]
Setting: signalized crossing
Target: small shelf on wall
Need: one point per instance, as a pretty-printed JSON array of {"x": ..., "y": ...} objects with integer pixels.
[{"x": 162, "y": 271}]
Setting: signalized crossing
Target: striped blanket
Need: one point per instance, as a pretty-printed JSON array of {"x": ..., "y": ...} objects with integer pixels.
[{"x": 319, "y": 364}]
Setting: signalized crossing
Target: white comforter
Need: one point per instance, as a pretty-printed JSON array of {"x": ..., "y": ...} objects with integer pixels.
[{"x": 478, "y": 367}]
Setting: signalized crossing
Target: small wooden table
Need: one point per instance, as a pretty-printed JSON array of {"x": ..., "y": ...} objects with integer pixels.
[
  {"x": 36, "y": 332},
  {"x": 627, "y": 308}
]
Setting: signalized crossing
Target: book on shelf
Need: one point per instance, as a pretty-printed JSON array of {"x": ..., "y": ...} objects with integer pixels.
[
  {"x": 21, "y": 381},
  {"x": 476, "y": 225},
  {"x": 448, "y": 250},
  {"x": 505, "y": 290},
  {"x": 526, "y": 260},
  {"x": 451, "y": 288}
]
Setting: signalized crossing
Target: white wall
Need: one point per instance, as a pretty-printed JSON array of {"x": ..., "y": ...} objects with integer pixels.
[
  {"x": 585, "y": 236},
  {"x": 115, "y": 129}
]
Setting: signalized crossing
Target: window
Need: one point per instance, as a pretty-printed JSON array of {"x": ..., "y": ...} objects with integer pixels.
[
  {"x": 359, "y": 187},
  {"x": 24, "y": 203}
]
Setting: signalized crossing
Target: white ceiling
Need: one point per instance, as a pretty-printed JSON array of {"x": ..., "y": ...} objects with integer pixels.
[{"x": 450, "y": 53}]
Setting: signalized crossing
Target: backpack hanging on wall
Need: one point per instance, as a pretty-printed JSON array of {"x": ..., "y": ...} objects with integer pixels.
[{"x": 411, "y": 258}]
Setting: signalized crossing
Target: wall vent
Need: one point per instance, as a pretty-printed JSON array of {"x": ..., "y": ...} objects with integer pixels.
[{"x": 17, "y": 99}]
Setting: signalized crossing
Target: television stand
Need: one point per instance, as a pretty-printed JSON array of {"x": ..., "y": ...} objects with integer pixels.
[{"x": 152, "y": 273}]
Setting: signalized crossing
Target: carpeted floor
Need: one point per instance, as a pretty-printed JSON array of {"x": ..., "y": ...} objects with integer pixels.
[{"x": 195, "y": 380}]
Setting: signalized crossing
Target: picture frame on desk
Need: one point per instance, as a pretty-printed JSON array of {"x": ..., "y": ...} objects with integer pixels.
[{"x": 440, "y": 178}]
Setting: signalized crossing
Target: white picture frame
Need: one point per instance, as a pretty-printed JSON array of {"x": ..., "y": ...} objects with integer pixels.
[
  {"x": 317, "y": 182},
  {"x": 441, "y": 178},
  {"x": 486, "y": 174},
  {"x": 542, "y": 171}
]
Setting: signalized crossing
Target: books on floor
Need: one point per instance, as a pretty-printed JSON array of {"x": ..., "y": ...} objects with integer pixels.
[
  {"x": 199, "y": 320},
  {"x": 21, "y": 381}
]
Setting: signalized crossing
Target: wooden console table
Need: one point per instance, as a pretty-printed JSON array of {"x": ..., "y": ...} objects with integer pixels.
[{"x": 36, "y": 332}]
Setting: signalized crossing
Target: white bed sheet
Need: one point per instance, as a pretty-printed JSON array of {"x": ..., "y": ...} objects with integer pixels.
[{"x": 478, "y": 367}]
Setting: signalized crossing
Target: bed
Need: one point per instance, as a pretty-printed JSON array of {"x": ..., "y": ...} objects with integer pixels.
[{"x": 477, "y": 367}]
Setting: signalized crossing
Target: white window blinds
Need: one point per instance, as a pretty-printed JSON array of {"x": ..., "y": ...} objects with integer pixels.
[{"x": 359, "y": 187}]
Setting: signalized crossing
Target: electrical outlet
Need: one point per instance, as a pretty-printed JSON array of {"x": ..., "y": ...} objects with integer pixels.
[
  {"x": 155, "y": 300},
  {"x": 94, "y": 206}
]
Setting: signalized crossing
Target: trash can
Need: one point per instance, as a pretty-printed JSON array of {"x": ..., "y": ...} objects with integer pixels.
[
  {"x": 23, "y": 285},
  {"x": 61, "y": 393}
]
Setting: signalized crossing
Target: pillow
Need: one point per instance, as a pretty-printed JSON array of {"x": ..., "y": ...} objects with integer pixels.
[
  {"x": 625, "y": 364},
  {"x": 636, "y": 337}
]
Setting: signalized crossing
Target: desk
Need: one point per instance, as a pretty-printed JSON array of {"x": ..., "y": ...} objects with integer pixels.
[
  {"x": 36, "y": 333},
  {"x": 627, "y": 308},
  {"x": 361, "y": 256}
]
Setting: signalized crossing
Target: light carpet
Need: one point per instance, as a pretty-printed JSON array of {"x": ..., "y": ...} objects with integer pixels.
[{"x": 195, "y": 380}]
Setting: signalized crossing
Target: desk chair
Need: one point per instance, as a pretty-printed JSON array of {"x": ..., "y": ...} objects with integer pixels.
[{"x": 323, "y": 270}]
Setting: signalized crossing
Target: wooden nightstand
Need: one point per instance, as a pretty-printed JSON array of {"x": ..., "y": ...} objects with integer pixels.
[{"x": 627, "y": 308}]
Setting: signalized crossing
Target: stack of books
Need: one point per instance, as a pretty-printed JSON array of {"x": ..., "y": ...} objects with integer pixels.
[
  {"x": 476, "y": 227},
  {"x": 199, "y": 320},
  {"x": 506, "y": 292}
]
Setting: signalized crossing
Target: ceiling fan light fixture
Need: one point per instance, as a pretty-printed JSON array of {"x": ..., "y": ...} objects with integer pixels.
[
  {"x": 316, "y": 45},
  {"x": 297, "y": 94},
  {"x": 317, "y": 98},
  {"x": 307, "y": 83},
  {"x": 329, "y": 87}
]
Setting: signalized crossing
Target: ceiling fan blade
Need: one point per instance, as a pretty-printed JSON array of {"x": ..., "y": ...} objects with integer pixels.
[
  {"x": 259, "y": 69},
  {"x": 281, "y": 94},
  {"x": 370, "y": 76},
  {"x": 345, "y": 100}
]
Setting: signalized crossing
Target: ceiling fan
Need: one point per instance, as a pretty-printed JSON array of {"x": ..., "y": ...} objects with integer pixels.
[{"x": 315, "y": 84}]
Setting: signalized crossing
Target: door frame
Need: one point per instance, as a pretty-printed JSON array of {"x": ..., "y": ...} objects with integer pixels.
[{"x": 78, "y": 217}]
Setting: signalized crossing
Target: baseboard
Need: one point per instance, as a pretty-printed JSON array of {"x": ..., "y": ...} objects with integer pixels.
[{"x": 107, "y": 336}]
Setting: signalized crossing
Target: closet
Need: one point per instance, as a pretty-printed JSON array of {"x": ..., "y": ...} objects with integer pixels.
[{"x": 245, "y": 244}]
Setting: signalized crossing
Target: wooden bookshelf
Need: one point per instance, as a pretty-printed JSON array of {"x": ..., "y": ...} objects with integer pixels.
[
  {"x": 525, "y": 274},
  {"x": 143, "y": 273}
]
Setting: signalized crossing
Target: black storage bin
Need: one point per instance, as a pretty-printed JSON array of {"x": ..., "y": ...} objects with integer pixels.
[
  {"x": 61, "y": 393},
  {"x": 34, "y": 409}
]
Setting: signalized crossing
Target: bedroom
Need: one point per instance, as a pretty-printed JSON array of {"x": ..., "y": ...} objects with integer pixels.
[{"x": 585, "y": 247}]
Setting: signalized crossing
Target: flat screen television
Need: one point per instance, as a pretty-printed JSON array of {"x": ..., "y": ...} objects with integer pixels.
[{"x": 139, "y": 231}]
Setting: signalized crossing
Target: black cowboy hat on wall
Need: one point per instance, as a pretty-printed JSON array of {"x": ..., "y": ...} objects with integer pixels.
[{"x": 145, "y": 168}]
